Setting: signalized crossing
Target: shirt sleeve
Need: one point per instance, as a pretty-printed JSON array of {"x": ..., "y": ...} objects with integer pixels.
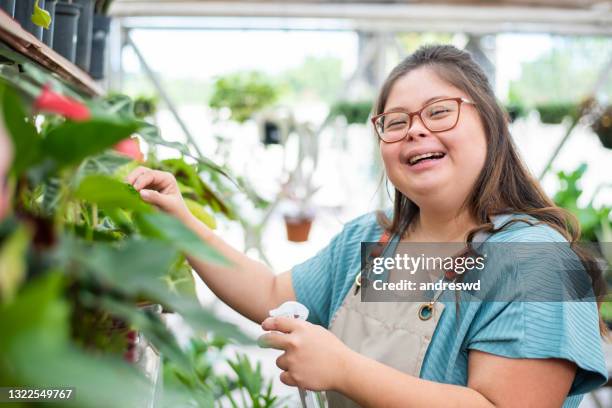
[
  {"x": 312, "y": 281},
  {"x": 566, "y": 329}
]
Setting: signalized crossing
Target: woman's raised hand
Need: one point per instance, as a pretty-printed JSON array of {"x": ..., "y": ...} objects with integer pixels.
[{"x": 160, "y": 189}]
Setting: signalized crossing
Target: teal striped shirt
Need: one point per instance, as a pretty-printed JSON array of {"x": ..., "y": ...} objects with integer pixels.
[{"x": 567, "y": 330}]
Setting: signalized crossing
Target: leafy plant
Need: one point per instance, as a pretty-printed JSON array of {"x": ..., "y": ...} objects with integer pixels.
[
  {"x": 592, "y": 220},
  {"x": 354, "y": 112},
  {"x": 244, "y": 94},
  {"x": 82, "y": 253},
  {"x": 553, "y": 113}
]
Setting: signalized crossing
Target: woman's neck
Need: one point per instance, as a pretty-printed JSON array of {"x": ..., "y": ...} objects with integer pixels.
[{"x": 441, "y": 226}]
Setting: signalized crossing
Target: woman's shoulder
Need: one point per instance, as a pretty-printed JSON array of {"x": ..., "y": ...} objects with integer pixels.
[
  {"x": 364, "y": 228},
  {"x": 520, "y": 227}
]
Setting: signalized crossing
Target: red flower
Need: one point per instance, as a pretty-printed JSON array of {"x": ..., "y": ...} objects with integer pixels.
[
  {"x": 52, "y": 102},
  {"x": 130, "y": 147}
]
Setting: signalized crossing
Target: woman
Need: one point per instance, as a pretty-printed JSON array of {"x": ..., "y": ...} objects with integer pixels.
[{"x": 456, "y": 174}]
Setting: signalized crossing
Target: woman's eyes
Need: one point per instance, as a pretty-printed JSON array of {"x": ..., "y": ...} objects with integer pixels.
[
  {"x": 438, "y": 111},
  {"x": 396, "y": 124}
]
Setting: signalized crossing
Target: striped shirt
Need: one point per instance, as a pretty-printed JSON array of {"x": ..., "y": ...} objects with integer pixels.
[{"x": 566, "y": 330}]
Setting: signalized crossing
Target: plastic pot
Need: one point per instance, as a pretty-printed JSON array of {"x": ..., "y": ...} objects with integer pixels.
[
  {"x": 101, "y": 26},
  {"x": 85, "y": 30},
  {"x": 298, "y": 228},
  {"x": 48, "y": 34},
  {"x": 8, "y": 6},
  {"x": 23, "y": 14},
  {"x": 65, "y": 32}
]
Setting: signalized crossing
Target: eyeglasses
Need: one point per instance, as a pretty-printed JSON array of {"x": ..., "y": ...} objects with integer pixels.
[{"x": 437, "y": 116}]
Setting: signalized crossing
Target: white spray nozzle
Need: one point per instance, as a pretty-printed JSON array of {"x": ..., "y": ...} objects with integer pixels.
[{"x": 290, "y": 309}]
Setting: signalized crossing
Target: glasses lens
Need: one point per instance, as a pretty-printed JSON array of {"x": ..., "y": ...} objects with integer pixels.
[
  {"x": 440, "y": 116},
  {"x": 392, "y": 126}
]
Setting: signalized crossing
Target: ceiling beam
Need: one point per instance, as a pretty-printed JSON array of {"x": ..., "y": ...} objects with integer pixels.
[{"x": 390, "y": 17}]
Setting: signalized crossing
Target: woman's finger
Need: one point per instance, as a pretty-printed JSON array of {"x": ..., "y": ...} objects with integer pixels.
[
  {"x": 156, "y": 198},
  {"x": 143, "y": 180},
  {"x": 135, "y": 173},
  {"x": 286, "y": 378},
  {"x": 282, "y": 363},
  {"x": 283, "y": 324},
  {"x": 278, "y": 341}
]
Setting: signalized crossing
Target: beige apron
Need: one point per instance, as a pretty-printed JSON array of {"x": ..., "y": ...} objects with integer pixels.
[{"x": 391, "y": 333}]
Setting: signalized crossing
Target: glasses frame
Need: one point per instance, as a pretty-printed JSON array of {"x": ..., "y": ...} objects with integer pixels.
[{"x": 459, "y": 101}]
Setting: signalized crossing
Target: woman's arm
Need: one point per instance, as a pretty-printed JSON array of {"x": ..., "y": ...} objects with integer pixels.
[
  {"x": 248, "y": 286},
  {"x": 315, "y": 359},
  {"x": 493, "y": 381}
]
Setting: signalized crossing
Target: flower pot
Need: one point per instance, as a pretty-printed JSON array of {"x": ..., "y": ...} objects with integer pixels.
[
  {"x": 65, "y": 32},
  {"x": 23, "y": 15},
  {"x": 603, "y": 127},
  {"x": 101, "y": 26},
  {"x": 8, "y": 6},
  {"x": 85, "y": 30},
  {"x": 48, "y": 34},
  {"x": 298, "y": 228}
]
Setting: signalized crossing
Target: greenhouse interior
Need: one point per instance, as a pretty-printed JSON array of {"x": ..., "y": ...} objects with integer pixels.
[{"x": 195, "y": 196}]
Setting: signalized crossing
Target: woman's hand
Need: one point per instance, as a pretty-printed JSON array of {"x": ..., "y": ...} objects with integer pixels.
[
  {"x": 314, "y": 359},
  {"x": 160, "y": 189}
]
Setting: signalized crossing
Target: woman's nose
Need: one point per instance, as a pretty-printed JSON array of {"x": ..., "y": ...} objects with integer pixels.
[{"x": 417, "y": 129}]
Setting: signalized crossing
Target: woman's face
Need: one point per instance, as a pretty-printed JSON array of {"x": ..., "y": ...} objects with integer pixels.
[
  {"x": 5, "y": 162},
  {"x": 447, "y": 180}
]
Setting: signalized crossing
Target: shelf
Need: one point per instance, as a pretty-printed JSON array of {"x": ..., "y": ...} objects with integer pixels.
[{"x": 30, "y": 47}]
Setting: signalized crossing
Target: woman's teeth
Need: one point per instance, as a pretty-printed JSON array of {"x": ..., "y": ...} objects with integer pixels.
[{"x": 433, "y": 156}]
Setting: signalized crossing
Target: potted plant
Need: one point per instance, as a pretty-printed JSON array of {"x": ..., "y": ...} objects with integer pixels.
[
  {"x": 65, "y": 29},
  {"x": 244, "y": 94},
  {"x": 299, "y": 211},
  {"x": 602, "y": 126},
  {"x": 101, "y": 27},
  {"x": 354, "y": 112},
  {"x": 553, "y": 113}
]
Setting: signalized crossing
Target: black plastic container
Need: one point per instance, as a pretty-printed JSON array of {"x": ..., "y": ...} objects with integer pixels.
[
  {"x": 23, "y": 14},
  {"x": 65, "y": 33},
  {"x": 48, "y": 33},
  {"x": 8, "y": 6},
  {"x": 85, "y": 30},
  {"x": 101, "y": 26}
]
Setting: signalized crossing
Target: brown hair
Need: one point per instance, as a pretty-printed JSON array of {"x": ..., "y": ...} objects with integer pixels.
[{"x": 504, "y": 184}]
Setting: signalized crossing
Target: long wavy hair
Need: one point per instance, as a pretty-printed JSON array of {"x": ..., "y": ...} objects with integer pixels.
[{"x": 504, "y": 184}]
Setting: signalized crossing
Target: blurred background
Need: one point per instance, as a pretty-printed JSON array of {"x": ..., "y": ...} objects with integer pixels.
[{"x": 279, "y": 94}]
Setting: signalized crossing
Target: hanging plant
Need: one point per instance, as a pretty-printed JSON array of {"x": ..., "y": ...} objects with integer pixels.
[
  {"x": 244, "y": 94},
  {"x": 603, "y": 127},
  {"x": 554, "y": 113},
  {"x": 354, "y": 112}
]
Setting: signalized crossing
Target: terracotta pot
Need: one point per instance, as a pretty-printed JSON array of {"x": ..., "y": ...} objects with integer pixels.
[{"x": 298, "y": 229}]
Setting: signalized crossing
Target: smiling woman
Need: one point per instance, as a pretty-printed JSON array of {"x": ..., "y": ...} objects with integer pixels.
[{"x": 447, "y": 150}]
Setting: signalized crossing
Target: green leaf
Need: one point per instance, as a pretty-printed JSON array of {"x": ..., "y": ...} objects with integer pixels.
[
  {"x": 41, "y": 17},
  {"x": 110, "y": 193},
  {"x": 13, "y": 263},
  {"x": 200, "y": 213},
  {"x": 25, "y": 138},
  {"x": 72, "y": 142},
  {"x": 175, "y": 233}
]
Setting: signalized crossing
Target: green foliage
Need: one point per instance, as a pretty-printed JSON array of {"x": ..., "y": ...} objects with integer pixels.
[
  {"x": 354, "y": 112},
  {"x": 554, "y": 113},
  {"x": 244, "y": 94},
  {"x": 317, "y": 77},
  {"x": 83, "y": 254},
  {"x": 567, "y": 72},
  {"x": 591, "y": 219}
]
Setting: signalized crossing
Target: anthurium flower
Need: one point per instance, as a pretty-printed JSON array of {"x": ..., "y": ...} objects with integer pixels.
[
  {"x": 53, "y": 102},
  {"x": 41, "y": 17},
  {"x": 130, "y": 147}
]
